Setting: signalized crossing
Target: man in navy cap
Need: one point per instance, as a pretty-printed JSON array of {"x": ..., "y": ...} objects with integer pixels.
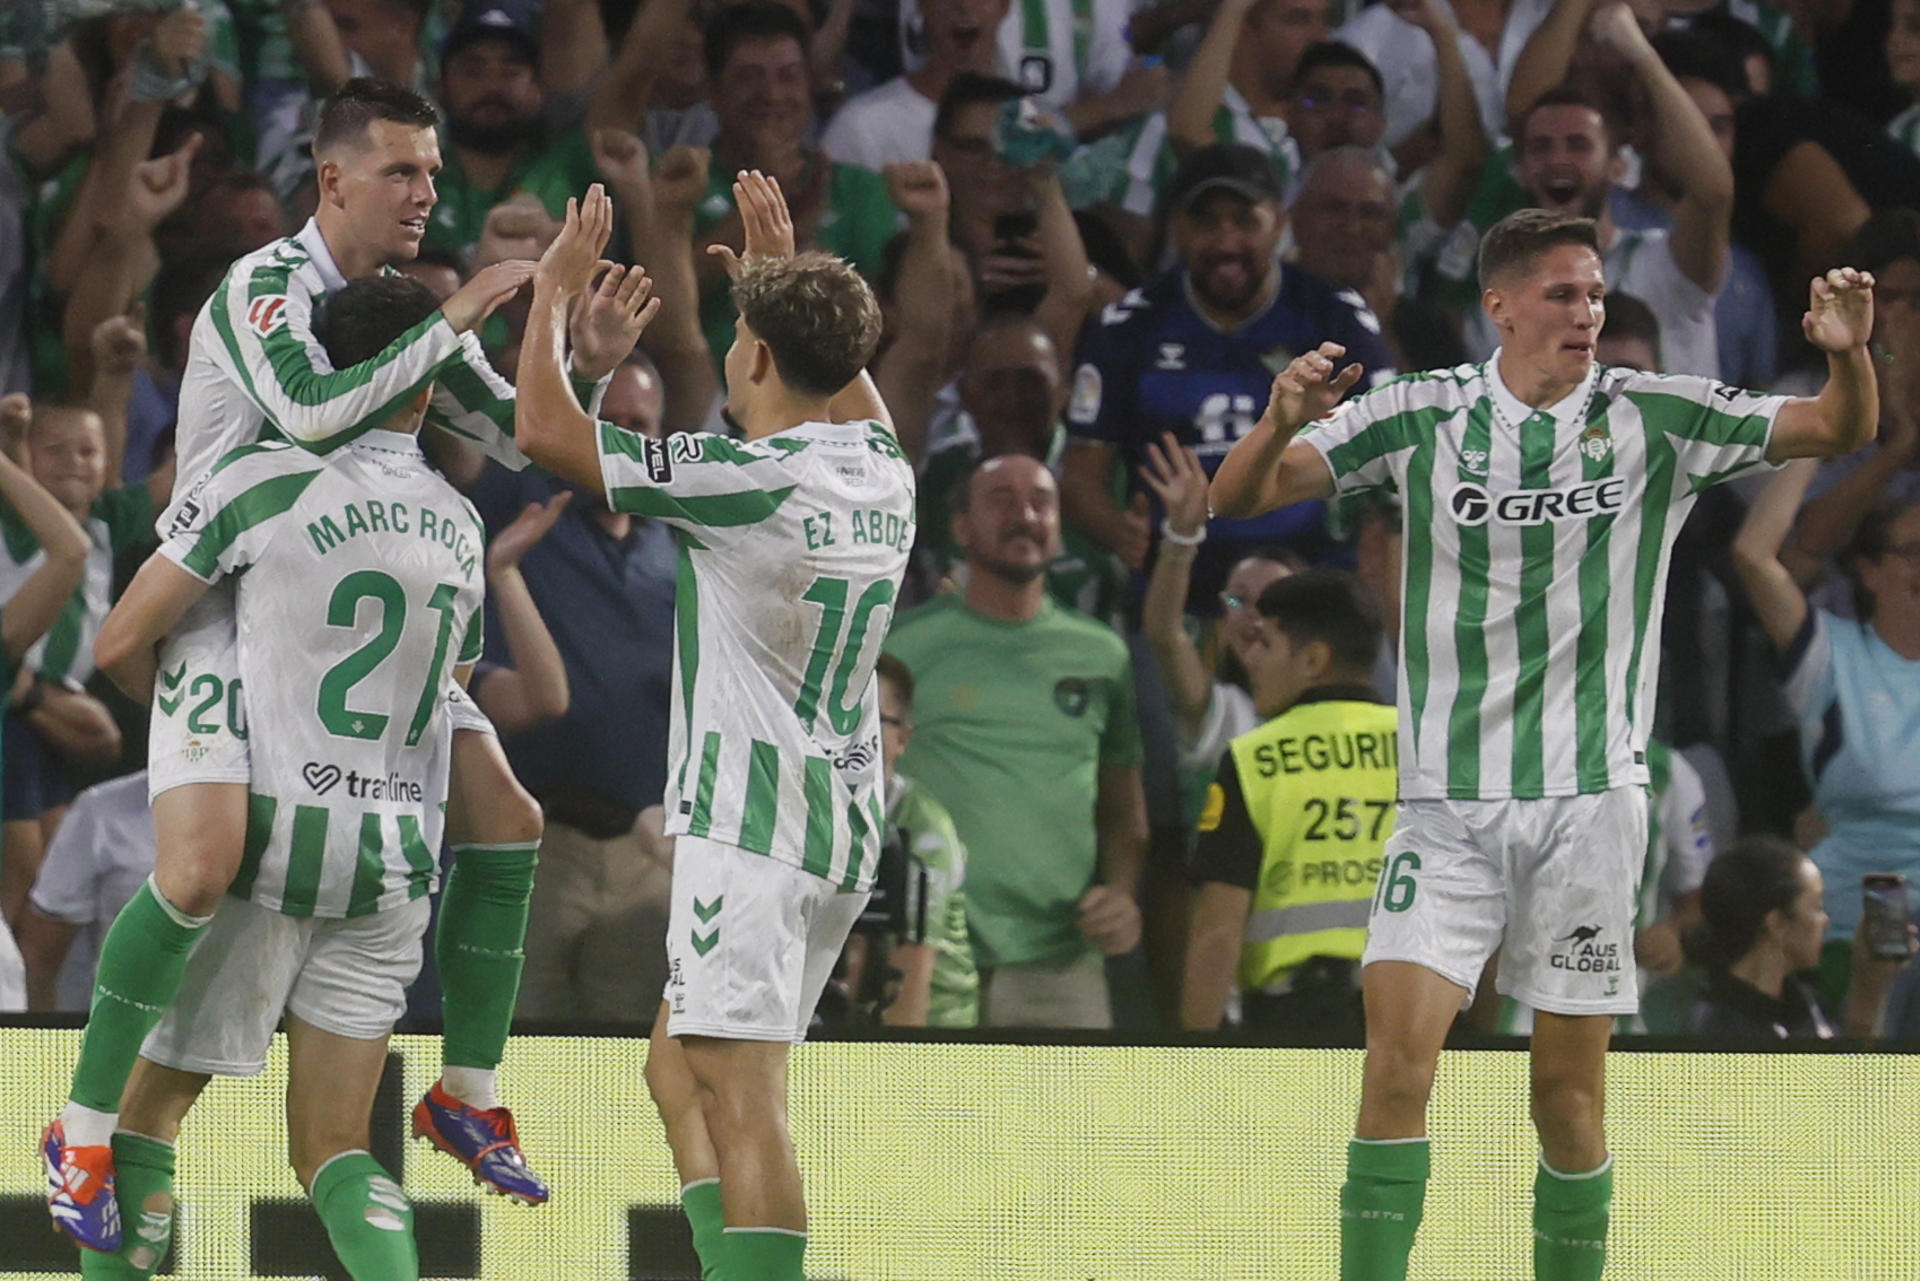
[{"x": 1194, "y": 354}]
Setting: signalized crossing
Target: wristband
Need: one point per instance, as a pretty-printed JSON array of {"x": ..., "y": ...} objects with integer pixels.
[{"x": 1194, "y": 539}]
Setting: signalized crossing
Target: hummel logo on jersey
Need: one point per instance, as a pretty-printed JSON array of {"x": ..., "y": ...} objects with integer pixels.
[
  {"x": 1471, "y": 504},
  {"x": 1474, "y": 460},
  {"x": 1173, "y": 355},
  {"x": 264, "y": 313},
  {"x": 321, "y": 778},
  {"x": 170, "y": 684}
]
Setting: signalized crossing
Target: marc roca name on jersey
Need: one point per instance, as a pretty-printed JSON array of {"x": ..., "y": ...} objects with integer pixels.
[{"x": 1471, "y": 504}]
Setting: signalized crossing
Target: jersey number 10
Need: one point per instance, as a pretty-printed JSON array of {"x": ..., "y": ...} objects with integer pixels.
[{"x": 842, "y": 637}]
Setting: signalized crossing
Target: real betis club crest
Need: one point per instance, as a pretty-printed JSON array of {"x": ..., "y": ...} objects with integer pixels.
[
  {"x": 1595, "y": 441},
  {"x": 1277, "y": 360}
]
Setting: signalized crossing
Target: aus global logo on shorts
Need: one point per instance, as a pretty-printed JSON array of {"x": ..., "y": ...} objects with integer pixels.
[{"x": 1583, "y": 951}]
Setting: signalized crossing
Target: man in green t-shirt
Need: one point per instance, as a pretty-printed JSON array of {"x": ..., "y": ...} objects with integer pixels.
[
  {"x": 500, "y": 141},
  {"x": 757, "y": 74},
  {"x": 1026, "y": 733}
]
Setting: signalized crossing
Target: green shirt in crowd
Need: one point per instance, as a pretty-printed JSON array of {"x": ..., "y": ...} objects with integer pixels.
[
  {"x": 1012, "y": 724},
  {"x": 559, "y": 167},
  {"x": 857, "y": 222},
  {"x": 935, "y": 848}
]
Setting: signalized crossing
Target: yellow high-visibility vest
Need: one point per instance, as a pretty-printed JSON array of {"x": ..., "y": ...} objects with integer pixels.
[{"x": 1319, "y": 782}]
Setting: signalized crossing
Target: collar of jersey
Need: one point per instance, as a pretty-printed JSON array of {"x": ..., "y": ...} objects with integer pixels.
[
  {"x": 1570, "y": 411},
  {"x": 389, "y": 442},
  {"x": 322, "y": 257}
]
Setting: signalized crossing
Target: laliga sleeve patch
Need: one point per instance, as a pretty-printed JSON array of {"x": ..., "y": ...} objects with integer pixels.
[{"x": 265, "y": 312}]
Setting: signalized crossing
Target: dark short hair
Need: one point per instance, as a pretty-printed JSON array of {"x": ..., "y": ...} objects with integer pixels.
[
  {"x": 1872, "y": 540},
  {"x": 815, "y": 314},
  {"x": 967, "y": 89},
  {"x": 1335, "y": 53},
  {"x": 1887, "y": 236},
  {"x": 896, "y": 673},
  {"x": 1628, "y": 317},
  {"x": 346, "y": 115},
  {"x": 1517, "y": 240},
  {"x": 1695, "y": 55},
  {"x": 182, "y": 289},
  {"x": 1742, "y": 40},
  {"x": 1754, "y": 876},
  {"x": 1330, "y": 606},
  {"x": 359, "y": 321},
  {"x": 1569, "y": 95},
  {"x": 756, "y": 20}
]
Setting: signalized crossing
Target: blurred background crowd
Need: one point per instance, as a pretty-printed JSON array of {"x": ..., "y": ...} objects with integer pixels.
[{"x": 1098, "y": 228}]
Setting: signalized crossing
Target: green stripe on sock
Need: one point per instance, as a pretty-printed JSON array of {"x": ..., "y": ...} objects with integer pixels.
[
  {"x": 479, "y": 946},
  {"x": 765, "y": 1254},
  {"x": 368, "y": 1218},
  {"x": 1570, "y": 1216},
  {"x": 141, "y": 961},
  {"x": 701, "y": 1201},
  {"x": 1380, "y": 1208}
]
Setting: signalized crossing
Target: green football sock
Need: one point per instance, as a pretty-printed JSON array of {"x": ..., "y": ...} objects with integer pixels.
[
  {"x": 1380, "y": 1206},
  {"x": 701, "y": 1201},
  {"x": 143, "y": 1184},
  {"x": 141, "y": 961},
  {"x": 1570, "y": 1223},
  {"x": 479, "y": 948},
  {"x": 765, "y": 1254},
  {"x": 368, "y": 1219}
]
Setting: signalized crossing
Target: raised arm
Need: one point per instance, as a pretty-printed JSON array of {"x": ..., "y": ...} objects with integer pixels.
[
  {"x": 119, "y": 346},
  {"x": 658, "y": 209},
  {"x": 535, "y": 688},
  {"x": 36, "y": 605},
  {"x": 317, "y": 45},
  {"x": 549, "y": 424},
  {"x": 620, "y": 100},
  {"x": 910, "y": 372},
  {"x": 1684, "y": 150},
  {"x": 573, "y": 50},
  {"x": 1062, "y": 310},
  {"x": 1174, "y": 473},
  {"x": 1449, "y": 177},
  {"x": 127, "y": 647},
  {"x": 1776, "y": 598},
  {"x": 1265, "y": 468},
  {"x": 1204, "y": 86},
  {"x": 1547, "y": 55},
  {"x": 1841, "y": 419}
]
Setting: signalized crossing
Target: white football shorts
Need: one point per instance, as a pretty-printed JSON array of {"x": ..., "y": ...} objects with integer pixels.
[{"x": 1550, "y": 883}]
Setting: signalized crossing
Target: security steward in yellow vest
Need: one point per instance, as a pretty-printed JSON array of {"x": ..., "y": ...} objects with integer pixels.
[{"x": 1291, "y": 837}]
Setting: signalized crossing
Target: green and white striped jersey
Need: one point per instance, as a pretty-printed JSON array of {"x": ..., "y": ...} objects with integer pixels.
[
  {"x": 359, "y": 591},
  {"x": 1151, "y": 162},
  {"x": 791, "y": 552},
  {"x": 120, "y": 518},
  {"x": 1535, "y": 562},
  {"x": 254, "y": 369}
]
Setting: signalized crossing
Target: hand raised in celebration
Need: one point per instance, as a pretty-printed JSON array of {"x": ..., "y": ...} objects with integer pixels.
[
  {"x": 1308, "y": 388},
  {"x": 1839, "y": 313},
  {"x": 606, "y": 325},
  {"x": 568, "y": 265},
  {"x": 768, "y": 222},
  {"x": 1174, "y": 473},
  {"x": 506, "y": 549}
]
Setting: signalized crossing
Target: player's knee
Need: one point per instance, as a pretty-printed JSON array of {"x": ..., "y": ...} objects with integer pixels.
[
  {"x": 1565, "y": 1105},
  {"x": 1398, "y": 1078},
  {"x": 307, "y": 1152},
  {"x": 201, "y": 834}
]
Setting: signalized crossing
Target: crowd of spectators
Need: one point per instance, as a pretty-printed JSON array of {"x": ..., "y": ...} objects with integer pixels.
[{"x": 1098, "y": 229}]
